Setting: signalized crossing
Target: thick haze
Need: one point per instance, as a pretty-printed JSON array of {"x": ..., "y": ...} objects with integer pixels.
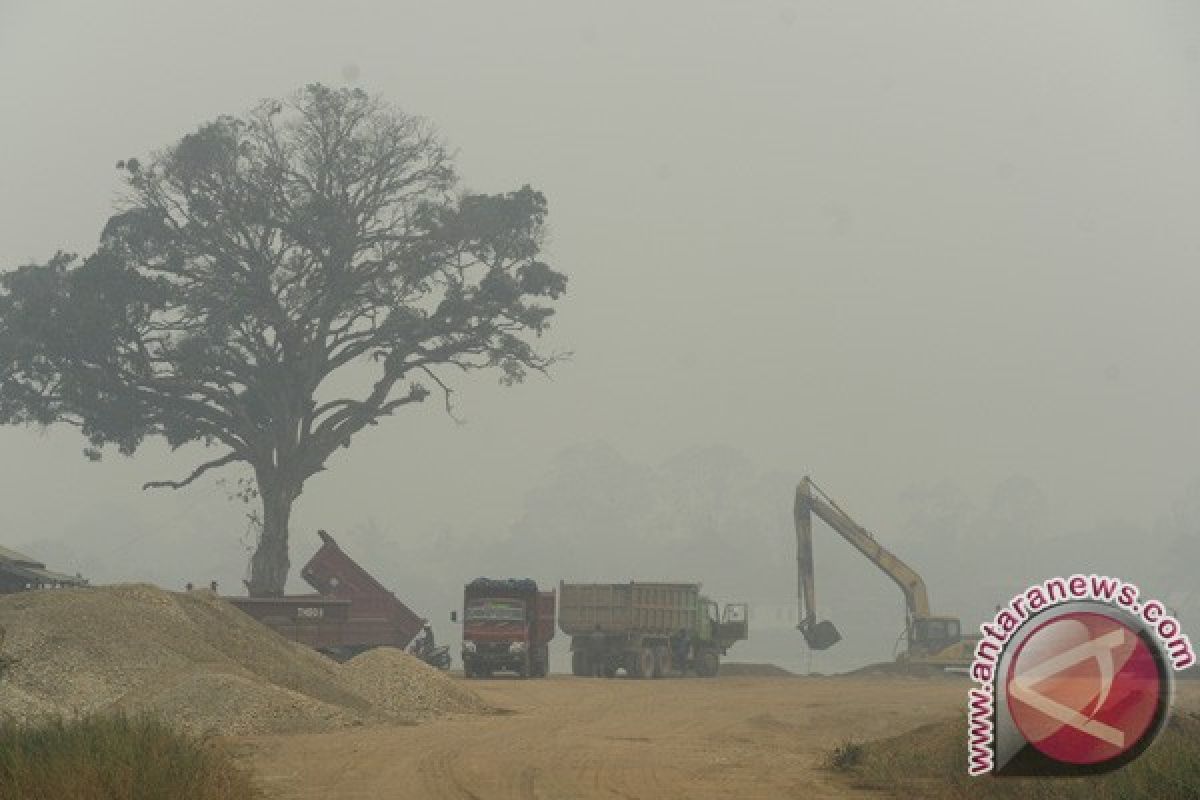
[{"x": 943, "y": 258}]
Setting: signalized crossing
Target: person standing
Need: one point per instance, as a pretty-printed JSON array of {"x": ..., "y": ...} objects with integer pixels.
[
  {"x": 681, "y": 645},
  {"x": 596, "y": 652}
]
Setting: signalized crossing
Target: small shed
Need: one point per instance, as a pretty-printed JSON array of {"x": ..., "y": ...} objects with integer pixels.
[{"x": 19, "y": 573}]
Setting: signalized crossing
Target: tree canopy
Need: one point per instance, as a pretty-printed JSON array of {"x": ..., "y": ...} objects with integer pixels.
[{"x": 250, "y": 263}]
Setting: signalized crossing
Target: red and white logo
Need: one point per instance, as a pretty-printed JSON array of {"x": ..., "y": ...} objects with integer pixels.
[
  {"x": 1084, "y": 688},
  {"x": 1074, "y": 677}
]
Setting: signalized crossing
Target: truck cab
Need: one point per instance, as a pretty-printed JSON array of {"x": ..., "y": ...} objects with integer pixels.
[
  {"x": 507, "y": 626},
  {"x": 733, "y": 624}
]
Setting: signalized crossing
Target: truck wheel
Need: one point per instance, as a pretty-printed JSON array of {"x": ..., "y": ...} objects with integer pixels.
[
  {"x": 633, "y": 664},
  {"x": 647, "y": 663},
  {"x": 580, "y": 664},
  {"x": 661, "y": 662},
  {"x": 541, "y": 665},
  {"x": 708, "y": 664}
]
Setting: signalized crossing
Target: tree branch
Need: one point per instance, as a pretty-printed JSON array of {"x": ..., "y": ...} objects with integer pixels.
[
  {"x": 447, "y": 392},
  {"x": 224, "y": 460}
]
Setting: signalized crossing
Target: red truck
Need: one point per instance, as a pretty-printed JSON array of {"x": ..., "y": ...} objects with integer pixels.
[
  {"x": 351, "y": 612},
  {"x": 507, "y": 626}
]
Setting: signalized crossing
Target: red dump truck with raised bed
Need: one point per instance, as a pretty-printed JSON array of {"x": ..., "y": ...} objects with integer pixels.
[
  {"x": 507, "y": 626},
  {"x": 350, "y": 613}
]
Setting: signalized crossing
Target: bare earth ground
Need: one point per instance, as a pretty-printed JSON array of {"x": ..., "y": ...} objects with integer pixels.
[{"x": 570, "y": 738}]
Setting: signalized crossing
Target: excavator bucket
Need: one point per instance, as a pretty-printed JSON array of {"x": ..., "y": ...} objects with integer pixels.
[{"x": 821, "y": 636}]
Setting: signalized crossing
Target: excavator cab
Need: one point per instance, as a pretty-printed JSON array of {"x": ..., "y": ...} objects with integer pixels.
[
  {"x": 820, "y": 635},
  {"x": 934, "y": 634}
]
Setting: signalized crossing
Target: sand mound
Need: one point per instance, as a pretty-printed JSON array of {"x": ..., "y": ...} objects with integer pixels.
[
  {"x": 902, "y": 669},
  {"x": 197, "y": 660},
  {"x": 396, "y": 681},
  {"x": 737, "y": 670}
]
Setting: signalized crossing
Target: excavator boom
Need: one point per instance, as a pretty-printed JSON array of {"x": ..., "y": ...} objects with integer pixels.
[
  {"x": 810, "y": 499},
  {"x": 819, "y": 635}
]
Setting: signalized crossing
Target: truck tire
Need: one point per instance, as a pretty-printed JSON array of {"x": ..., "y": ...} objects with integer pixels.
[
  {"x": 641, "y": 663},
  {"x": 581, "y": 665},
  {"x": 541, "y": 662},
  {"x": 662, "y": 661},
  {"x": 708, "y": 663}
]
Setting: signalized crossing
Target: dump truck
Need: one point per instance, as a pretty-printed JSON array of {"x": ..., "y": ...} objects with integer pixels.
[
  {"x": 934, "y": 642},
  {"x": 20, "y": 573},
  {"x": 507, "y": 626},
  {"x": 351, "y": 611},
  {"x": 647, "y": 630}
]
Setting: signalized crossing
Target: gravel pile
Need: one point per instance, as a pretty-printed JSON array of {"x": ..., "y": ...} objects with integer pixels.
[
  {"x": 398, "y": 682},
  {"x": 201, "y": 663},
  {"x": 231, "y": 704}
]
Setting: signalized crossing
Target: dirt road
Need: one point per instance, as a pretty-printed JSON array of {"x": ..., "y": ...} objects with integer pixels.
[{"x": 573, "y": 738}]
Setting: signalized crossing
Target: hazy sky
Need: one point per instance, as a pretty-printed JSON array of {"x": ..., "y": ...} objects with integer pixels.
[{"x": 885, "y": 243}]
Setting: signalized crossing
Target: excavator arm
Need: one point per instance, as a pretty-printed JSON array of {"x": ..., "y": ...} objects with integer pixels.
[
  {"x": 806, "y": 590},
  {"x": 810, "y": 499}
]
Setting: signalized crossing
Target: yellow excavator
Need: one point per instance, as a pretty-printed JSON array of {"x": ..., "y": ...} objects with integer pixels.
[{"x": 933, "y": 641}]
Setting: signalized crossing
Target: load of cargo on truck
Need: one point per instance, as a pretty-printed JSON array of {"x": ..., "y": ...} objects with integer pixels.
[
  {"x": 351, "y": 612},
  {"x": 507, "y": 626},
  {"x": 647, "y": 630}
]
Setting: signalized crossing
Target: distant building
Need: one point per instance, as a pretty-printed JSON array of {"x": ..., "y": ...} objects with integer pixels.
[{"x": 19, "y": 573}]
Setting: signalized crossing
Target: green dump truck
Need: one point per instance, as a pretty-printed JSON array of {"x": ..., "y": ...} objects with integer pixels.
[{"x": 647, "y": 630}]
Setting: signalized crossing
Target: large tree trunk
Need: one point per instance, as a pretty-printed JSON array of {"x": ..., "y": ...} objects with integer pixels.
[{"x": 269, "y": 565}]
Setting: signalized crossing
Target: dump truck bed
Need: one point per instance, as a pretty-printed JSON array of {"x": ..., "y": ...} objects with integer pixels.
[
  {"x": 648, "y": 608},
  {"x": 352, "y": 612}
]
